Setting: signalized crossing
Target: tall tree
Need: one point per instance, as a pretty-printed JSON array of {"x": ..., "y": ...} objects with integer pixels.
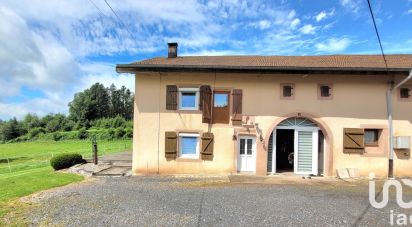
[
  {"x": 100, "y": 102},
  {"x": 12, "y": 129},
  {"x": 31, "y": 121}
]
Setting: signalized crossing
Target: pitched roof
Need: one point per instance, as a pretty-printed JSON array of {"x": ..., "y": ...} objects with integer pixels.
[{"x": 326, "y": 62}]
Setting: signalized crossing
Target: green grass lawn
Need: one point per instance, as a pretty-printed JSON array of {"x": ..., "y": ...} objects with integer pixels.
[
  {"x": 15, "y": 157},
  {"x": 25, "y": 169},
  {"x": 22, "y": 184}
]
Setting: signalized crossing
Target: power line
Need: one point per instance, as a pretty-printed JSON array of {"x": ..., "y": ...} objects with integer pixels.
[
  {"x": 118, "y": 18},
  {"x": 95, "y": 6},
  {"x": 377, "y": 34}
]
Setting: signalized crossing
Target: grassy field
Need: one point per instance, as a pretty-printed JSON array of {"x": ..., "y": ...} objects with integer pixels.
[
  {"x": 25, "y": 167},
  {"x": 17, "y": 157}
]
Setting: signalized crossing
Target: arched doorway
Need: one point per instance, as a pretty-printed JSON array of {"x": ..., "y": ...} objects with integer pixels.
[{"x": 296, "y": 145}]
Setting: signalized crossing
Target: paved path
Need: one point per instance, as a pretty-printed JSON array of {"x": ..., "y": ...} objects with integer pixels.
[
  {"x": 117, "y": 164},
  {"x": 125, "y": 156},
  {"x": 165, "y": 201}
]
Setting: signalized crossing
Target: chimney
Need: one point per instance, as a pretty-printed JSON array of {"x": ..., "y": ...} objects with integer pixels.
[{"x": 172, "y": 50}]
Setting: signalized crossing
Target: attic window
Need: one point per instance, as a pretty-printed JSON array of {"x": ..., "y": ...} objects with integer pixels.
[
  {"x": 325, "y": 91},
  {"x": 287, "y": 91},
  {"x": 405, "y": 93}
]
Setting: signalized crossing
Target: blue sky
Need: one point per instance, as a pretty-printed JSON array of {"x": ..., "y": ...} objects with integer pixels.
[{"x": 51, "y": 49}]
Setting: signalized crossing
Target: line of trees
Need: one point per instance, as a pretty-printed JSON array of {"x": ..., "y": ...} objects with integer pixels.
[{"x": 104, "y": 111}]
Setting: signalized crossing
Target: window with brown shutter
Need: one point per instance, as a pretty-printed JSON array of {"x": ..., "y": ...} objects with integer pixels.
[
  {"x": 221, "y": 108},
  {"x": 353, "y": 140},
  {"x": 207, "y": 146},
  {"x": 372, "y": 137},
  {"x": 237, "y": 107},
  {"x": 205, "y": 103},
  {"x": 170, "y": 145},
  {"x": 171, "y": 97}
]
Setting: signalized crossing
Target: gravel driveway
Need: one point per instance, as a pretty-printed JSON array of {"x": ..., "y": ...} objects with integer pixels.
[{"x": 163, "y": 201}]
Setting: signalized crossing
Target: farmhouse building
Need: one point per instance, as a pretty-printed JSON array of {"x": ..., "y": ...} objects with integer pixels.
[{"x": 309, "y": 115}]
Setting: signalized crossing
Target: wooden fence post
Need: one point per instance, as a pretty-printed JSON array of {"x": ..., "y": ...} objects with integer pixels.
[
  {"x": 94, "y": 142},
  {"x": 8, "y": 162}
]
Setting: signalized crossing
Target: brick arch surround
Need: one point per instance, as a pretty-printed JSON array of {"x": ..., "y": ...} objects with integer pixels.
[{"x": 328, "y": 166}]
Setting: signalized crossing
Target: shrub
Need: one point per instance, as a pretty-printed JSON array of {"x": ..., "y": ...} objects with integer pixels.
[
  {"x": 129, "y": 133},
  {"x": 57, "y": 136},
  {"x": 64, "y": 161},
  {"x": 110, "y": 134},
  {"x": 68, "y": 125},
  {"x": 72, "y": 135},
  {"x": 119, "y": 133},
  {"x": 82, "y": 134},
  {"x": 34, "y": 132}
]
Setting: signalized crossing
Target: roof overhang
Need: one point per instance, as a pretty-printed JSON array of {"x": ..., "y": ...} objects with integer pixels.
[{"x": 135, "y": 68}]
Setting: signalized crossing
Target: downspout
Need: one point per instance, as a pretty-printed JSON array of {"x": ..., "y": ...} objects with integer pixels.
[{"x": 390, "y": 123}]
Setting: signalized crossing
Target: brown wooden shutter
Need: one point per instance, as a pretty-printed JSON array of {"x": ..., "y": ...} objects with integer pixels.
[
  {"x": 170, "y": 145},
  {"x": 207, "y": 146},
  {"x": 206, "y": 102},
  {"x": 202, "y": 90},
  {"x": 237, "y": 107},
  {"x": 171, "y": 97},
  {"x": 353, "y": 140}
]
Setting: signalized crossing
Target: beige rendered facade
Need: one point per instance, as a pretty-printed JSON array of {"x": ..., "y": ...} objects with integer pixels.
[{"x": 356, "y": 101}]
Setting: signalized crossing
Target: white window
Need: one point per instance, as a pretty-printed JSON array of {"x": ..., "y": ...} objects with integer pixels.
[
  {"x": 188, "y": 145},
  {"x": 188, "y": 98}
]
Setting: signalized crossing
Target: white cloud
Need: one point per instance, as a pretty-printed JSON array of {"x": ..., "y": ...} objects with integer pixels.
[
  {"x": 39, "y": 61},
  {"x": 40, "y": 106},
  {"x": 214, "y": 53},
  {"x": 30, "y": 59},
  {"x": 105, "y": 74},
  {"x": 294, "y": 23},
  {"x": 308, "y": 29},
  {"x": 409, "y": 11},
  {"x": 333, "y": 45},
  {"x": 352, "y": 5},
  {"x": 264, "y": 24},
  {"x": 322, "y": 15}
]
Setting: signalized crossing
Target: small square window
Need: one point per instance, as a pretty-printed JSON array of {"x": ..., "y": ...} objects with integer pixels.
[
  {"x": 188, "y": 145},
  {"x": 371, "y": 136},
  {"x": 188, "y": 98},
  {"x": 405, "y": 93},
  {"x": 324, "y": 91},
  {"x": 287, "y": 91}
]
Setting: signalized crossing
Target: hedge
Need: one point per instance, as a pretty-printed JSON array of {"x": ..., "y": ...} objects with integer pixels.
[{"x": 64, "y": 161}]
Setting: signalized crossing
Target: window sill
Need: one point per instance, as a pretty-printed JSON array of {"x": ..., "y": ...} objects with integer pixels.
[
  {"x": 325, "y": 98},
  {"x": 372, "y": 145},
  {"x": 185, "y": 159},
  {"x": 372, "y": 154},
  {"x": 189, "y": 111}
]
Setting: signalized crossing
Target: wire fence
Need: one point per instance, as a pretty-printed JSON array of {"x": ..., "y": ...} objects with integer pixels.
[{"x": 12, "y": 163}]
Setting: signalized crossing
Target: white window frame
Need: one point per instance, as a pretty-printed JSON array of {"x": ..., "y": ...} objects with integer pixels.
[
  {"x": 196, "y": 91},
  {"x": 196, "y": 156}
]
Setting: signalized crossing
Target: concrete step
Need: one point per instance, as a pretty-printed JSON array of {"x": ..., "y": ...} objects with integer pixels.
[{"x": 113, "y": 171}]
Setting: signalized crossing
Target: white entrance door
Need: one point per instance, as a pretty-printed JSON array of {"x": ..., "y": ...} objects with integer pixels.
[
  {"x": 306, "y": 151},
  {"x": 247, "y": 154}
]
